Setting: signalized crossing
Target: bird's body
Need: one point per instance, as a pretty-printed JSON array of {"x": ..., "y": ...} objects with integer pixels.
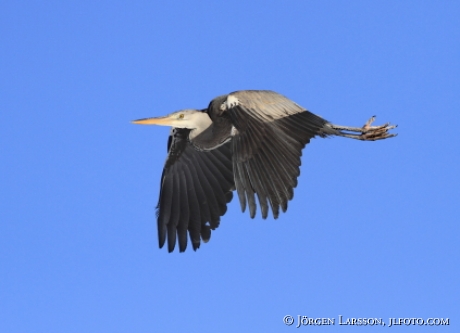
[{"x": 250, "y": 141}]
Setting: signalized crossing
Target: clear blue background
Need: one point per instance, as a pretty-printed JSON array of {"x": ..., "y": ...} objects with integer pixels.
[{"x": 373, "y": 230}]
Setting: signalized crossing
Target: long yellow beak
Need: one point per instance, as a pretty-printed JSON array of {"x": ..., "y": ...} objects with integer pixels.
[{"x": 165, "y": 121}]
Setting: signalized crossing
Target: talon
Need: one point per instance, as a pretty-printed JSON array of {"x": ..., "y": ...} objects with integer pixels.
[{"x": 369, "y": 122}]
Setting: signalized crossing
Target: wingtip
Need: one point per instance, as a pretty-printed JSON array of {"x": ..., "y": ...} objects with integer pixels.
[{"x": 195, "y": 246}]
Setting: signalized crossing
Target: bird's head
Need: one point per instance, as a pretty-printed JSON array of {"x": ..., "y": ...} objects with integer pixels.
[{"x": 188, "y": 118}]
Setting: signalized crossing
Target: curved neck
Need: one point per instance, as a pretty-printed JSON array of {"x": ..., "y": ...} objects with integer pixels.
[
  {"x": 209, "y": 134},
  {"x": 201, "y": 123}
]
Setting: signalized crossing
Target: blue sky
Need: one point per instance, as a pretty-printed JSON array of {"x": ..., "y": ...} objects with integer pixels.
[{"x": 373, "y": 227}]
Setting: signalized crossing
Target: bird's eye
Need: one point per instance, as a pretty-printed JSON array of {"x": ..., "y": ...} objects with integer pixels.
[{"x": 181, "y": 116}]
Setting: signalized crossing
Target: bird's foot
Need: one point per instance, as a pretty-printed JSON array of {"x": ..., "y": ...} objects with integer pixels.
[
  {"x": 372, "y": 133},
  {"x": 365, "y": 133}
]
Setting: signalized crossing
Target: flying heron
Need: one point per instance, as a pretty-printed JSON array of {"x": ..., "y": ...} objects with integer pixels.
[{"x": 249, "y": 140}]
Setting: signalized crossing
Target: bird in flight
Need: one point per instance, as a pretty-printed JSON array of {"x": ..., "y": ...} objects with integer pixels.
[{"x": 249, "y": 141}]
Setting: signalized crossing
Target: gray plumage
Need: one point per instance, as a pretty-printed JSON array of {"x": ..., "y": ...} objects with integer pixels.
[{"x": 250, "y": 141}]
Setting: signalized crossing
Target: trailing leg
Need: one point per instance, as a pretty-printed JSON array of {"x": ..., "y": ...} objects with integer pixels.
[{"x": 366, "y": 133}]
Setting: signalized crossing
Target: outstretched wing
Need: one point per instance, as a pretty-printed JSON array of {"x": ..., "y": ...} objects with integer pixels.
[
  {"x": 271, "y": 132},
  {"x": 195, "y": 189}
]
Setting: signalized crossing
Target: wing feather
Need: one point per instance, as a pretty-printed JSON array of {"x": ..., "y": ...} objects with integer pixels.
[
  {"x": 184, "y": 212},
  {"x": 271, "y": 133},
  {"x": 205, "y": 178},
  {"x": 194, "y": 225},
  {"x": 195, "y": 189},
  {"x": 175, "y": 213}
]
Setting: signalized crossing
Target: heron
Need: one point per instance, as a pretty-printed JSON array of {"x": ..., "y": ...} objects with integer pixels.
[{"x": 250, "y": 141}]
